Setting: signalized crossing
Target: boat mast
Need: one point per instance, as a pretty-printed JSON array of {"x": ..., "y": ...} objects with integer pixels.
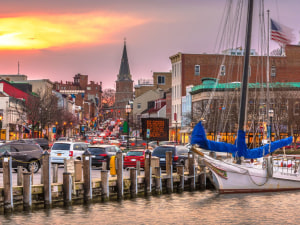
[{"x": 244, "y": 90}]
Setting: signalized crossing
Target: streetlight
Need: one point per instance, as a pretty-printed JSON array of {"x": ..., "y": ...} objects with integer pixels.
[
  {"x": 56, "y": 123},
  {"x": 65, "y": 123},
  {"x": 128, "y": 110},
  {"x": 271, "y": 115}
]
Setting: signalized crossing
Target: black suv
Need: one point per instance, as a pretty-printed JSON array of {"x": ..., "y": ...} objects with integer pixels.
[
  {"x": 102, "y": 153},
  {"x": 27, "y": 155},
  {"x": 179, "y": 154},
  {"x": 40, "y": 141}
]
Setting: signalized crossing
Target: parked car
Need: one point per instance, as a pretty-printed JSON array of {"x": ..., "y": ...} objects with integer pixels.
[
  {"x": 65, "y": 150},
  {"x": 114, "y": 142},
  {"x": 102, "y": 153},
  {"x": 179, "y": 154},
  {"x": 43, "y": 142},
  {"x": 28, "y": 155},
  {"x": 133, "y": 156}
]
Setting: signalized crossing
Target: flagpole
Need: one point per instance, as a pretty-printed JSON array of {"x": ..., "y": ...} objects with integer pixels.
[{"x": 268, "y": 78}]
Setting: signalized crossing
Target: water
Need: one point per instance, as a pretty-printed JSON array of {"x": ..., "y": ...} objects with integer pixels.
[{"x": 206, "y": 207}]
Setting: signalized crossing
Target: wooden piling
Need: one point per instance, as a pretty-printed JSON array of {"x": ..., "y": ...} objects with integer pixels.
[
  {"x": 105, "y": 185},
  {"x": 20, "y": 176},
  {"x": 148, "y": 172},
  {"x": 27, "y": 192},
  {"x": 133, "y": 182},
  {"x": 186, "y": 164},
  {"x": 202, "y": 175},
  {"x": 157, "y": 178},
  {"x": 87, "y": 185},
  {"x": 192, "y": 171},
  {"x": 7, "y": 182},
  {"x": 119, "y": 168},
  {"x": 42, "y": 177},
  {"x": 138, "y": 168},
  {"x": 46, "y": 179},
  {"x": 78, "y": 170},
  {"x": 169, "y": 171},
  {"x": 104, "y": 166},
  {"x": 180, "y": 172},
  {"x": 55, "y": 173},
  {"x": 67, "y": 188}
]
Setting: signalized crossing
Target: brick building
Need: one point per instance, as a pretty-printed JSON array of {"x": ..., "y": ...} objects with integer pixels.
[
  {"x": 87, "y": 97},
  {"x": 189, "y": 69}
]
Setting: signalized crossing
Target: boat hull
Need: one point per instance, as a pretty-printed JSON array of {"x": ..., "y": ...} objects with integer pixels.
[{"x": 233, "y": 178}]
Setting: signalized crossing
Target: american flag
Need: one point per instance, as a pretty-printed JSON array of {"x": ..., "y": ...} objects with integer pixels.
[{"x": 280, "y": 33}]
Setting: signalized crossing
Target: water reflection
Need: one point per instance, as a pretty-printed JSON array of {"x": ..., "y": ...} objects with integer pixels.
[{"x": 187, "y": 208}]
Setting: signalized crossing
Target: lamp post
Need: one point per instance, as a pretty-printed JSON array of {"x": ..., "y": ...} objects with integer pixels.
[
  {"x": 128, "y": 110},
  {"x": 271, "y": 115},
  {"x": 65, "y": 123},
  {"x": 56, "y": 123}
]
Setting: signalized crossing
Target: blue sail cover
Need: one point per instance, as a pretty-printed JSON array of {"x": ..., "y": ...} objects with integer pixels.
[{"x": 240, "y": 148}]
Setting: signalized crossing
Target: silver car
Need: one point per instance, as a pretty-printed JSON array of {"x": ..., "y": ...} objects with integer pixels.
[{"x": 66, "y": 149}]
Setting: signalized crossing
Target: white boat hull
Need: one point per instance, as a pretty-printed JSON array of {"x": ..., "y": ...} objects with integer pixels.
[{"x": 234, "y": 178}]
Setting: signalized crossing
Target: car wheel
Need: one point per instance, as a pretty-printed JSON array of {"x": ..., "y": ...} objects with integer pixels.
[{"x": 33, "y": 166}]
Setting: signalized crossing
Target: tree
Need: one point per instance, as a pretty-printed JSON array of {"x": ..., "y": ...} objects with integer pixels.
[{"x": 108, "y": 98}]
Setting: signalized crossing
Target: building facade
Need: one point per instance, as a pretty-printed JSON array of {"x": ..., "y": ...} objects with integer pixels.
[{"x": 189, "y": 69}]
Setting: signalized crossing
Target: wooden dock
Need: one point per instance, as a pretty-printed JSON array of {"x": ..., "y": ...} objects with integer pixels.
[{"x": 78, "y": 187}]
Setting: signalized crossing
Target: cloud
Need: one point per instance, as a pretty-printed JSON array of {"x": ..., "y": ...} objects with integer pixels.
[{"x": 46, "y": 31}]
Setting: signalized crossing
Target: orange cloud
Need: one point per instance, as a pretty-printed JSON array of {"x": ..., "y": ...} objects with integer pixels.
[{"x": 46, "y": 31}]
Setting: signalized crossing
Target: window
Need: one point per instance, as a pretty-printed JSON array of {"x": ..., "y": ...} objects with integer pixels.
[
  {"x": 273, "y": 71},
  {"x": 197, "y": 70},
  {"x": 222, "y": 70},
  {"x": 139, "y": 105},
  {"x": 161, "y": 79},
  {"x": 88, "y": 88}
]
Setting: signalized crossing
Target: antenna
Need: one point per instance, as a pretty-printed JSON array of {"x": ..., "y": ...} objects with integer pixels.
[{"x": 18, "y": 68}]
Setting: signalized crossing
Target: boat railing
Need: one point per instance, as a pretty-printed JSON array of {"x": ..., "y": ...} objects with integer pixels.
[{"x": 286, "y": 164}]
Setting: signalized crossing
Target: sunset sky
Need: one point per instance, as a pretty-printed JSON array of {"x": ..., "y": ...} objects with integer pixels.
[{"x": 57, "y": 39}]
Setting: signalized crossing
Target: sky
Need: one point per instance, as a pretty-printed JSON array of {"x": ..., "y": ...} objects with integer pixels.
[{"x": 57, "y": 39}]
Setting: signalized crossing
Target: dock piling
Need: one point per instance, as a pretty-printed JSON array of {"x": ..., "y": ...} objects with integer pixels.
[
  {"x": 87, "y": 181},
  {"x": 46, "y": 179},
  {"x": 27, "y": 196},
  {"x": 7, "y": 182},
  {"x": 105, "y": 185},
  {"x": 169, "y": 171}
]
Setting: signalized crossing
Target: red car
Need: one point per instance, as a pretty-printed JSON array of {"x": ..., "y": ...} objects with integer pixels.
[{"x": 133, "y": 156}]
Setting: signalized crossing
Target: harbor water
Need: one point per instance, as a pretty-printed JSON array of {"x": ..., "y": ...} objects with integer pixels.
[{"x": 205, "y": 207}]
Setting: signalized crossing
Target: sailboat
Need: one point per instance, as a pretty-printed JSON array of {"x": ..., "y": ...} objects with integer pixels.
[{"x": 240, "y": 175}]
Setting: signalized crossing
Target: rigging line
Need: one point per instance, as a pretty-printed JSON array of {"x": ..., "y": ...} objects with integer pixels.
[{"x": 220, "y": 25}]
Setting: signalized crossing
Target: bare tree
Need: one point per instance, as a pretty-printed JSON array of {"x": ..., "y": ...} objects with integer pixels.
[{"x": 108, "y": 98}]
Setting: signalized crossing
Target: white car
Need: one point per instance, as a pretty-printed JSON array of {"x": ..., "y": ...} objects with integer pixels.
[{"x": 65, "y": 150}]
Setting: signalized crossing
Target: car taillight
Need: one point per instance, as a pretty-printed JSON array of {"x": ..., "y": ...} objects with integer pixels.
[
  {"x": 70, "y": 153},
  {"x": 103, "y": 155},
  {"x": 175, "y": 158}
]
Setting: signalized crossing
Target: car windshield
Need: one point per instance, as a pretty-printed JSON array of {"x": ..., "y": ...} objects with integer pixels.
[
  {"x": 61, "y": 146},
  {"x": 135, "y": 153},
  {"x": 162, "y": 150},
  {"x": 94, "y": 151}
]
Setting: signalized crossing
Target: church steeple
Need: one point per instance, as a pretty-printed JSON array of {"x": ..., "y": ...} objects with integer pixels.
[{"x": 124, "y": 73}]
